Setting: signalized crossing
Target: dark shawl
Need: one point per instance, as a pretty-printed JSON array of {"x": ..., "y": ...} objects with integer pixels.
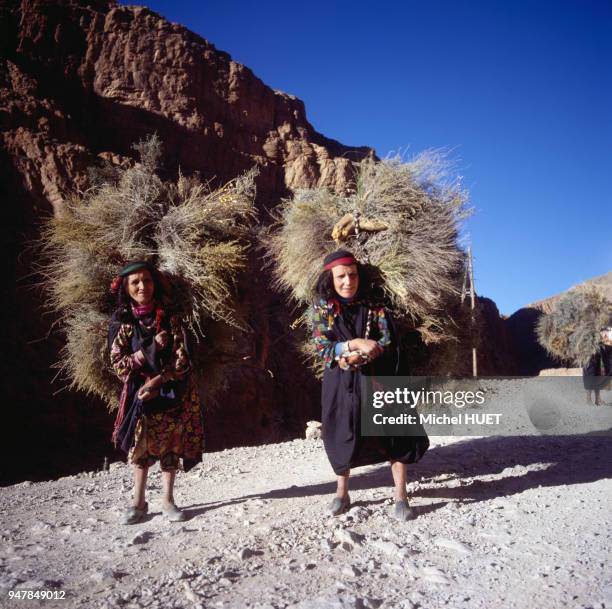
[{"x": 341, "y": 401}]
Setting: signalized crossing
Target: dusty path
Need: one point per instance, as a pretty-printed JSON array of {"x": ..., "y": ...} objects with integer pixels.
[
  {"x": 501, "y": 522},
  {"x": 505, "y": 522}
]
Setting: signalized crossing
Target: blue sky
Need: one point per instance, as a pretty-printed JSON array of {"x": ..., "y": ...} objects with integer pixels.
[{"x": 521, "y": 92}]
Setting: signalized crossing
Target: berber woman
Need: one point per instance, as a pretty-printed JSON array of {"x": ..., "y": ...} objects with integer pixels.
[
  {"x": 355, "y": 335},
  {"x": 159, "y": 416}
]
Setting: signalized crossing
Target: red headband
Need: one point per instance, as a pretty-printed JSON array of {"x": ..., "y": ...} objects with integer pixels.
[{"x": 347, "y": 261}]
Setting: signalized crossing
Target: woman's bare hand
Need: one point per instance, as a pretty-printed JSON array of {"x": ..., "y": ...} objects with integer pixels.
[
  {"x": 146, "y": 392},
  {"x": 162, "y": 339},
  {"x": 344, "y": 365},
  {"x": 368, "y": 347},
  {"x": 150, "y": 389},
  {"x": 355, "y": 360}
]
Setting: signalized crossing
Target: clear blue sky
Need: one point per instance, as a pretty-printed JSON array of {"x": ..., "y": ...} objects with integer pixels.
[{"x": 521, "y": 91}]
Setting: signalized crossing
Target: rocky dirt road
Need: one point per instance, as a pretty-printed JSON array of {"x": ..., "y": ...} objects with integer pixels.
[{"x": 504, "y": 522}]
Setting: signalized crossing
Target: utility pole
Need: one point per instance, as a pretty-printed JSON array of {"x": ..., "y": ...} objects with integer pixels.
[{"x": 468, "y": 288}]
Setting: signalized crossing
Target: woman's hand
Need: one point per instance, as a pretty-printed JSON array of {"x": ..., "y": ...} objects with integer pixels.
[
  {"x": 351, "y": 362},
  {"x": 344, "y": 365},
  {"x": 147, "y": 392},
  {"x": 368, "y": 347},
  {"x": 150, "y": 389},
  {"x": 161, "y": 339},
  {"x": 355, "y": 360}
]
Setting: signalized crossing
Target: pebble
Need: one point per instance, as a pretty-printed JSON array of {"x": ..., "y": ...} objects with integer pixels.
[
  {"x": 406, "y": 552},
  {"x": 245, "y": 553},
  {"x": 140, "y": 538},
  {"x": 349, "y": 537},
  {"x": 386, "y": 547},
  {"x": 351, "y": 571},
  {"x": 433, "y": 575},
  {"x": 406, "y": 603},
  {"x": 358, "y": 513},
  {"x": 327, "y": 544},
  {"x": 190, "y": 594},
  {"x": 327, "y": 602},
  {"x": 452, "y": 544},
  {"x": 8, "y": 581}
]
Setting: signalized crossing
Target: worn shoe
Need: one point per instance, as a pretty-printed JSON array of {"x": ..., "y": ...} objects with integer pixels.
[
  {"x": 339, "y": 505},
  {"x": 173, "y": 514},
  {"x": 134, "y": 515},
  {"x": 402, "y": 511}
]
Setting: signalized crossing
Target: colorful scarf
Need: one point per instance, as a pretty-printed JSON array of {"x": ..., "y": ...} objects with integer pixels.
[{"x": 142, "y": 310}]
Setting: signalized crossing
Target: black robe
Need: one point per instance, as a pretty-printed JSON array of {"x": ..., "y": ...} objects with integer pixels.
[
  {"x": 596, "y": 374},
  {"x": 341, "y": 402}
]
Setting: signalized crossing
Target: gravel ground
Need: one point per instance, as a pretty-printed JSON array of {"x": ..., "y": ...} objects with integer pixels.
[{"x": 504, "y": 521}]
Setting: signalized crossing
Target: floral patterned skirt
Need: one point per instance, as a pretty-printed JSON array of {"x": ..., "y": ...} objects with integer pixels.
[{"x": 171, "y": 435}]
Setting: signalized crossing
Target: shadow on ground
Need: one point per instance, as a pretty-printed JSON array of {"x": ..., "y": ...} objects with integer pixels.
[{"x": 562, "y": 460}]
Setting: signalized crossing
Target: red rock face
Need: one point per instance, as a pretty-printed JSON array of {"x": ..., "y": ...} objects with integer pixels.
[{"x": 82, "y": 81}]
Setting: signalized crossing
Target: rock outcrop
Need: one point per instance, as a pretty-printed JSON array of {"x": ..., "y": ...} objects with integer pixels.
[{"x": 82, "y": 80}]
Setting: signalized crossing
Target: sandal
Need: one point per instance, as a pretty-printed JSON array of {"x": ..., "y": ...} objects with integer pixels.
[
  {"x": 339, "y": 505},
  {"x": 402, "y": 511},
  {"x": 134, "y": 515},
  {"x": 173, "y": 514}
]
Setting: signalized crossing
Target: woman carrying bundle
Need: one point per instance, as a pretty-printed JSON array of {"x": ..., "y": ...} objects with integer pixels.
[
  {"x": 356, "y": 336},
  {"x": 596, "y": 374},
  {"x": 159, "y": 415}
]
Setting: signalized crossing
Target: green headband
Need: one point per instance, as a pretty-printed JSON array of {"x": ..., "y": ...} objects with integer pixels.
[{"x": 133, "y": 267}]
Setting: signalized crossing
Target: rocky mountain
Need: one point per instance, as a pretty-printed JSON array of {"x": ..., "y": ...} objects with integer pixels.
[
  {"x": 602, "y": 283},
  {"x": 80, "y": 82}
]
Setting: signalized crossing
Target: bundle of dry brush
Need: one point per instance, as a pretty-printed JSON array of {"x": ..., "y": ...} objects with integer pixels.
[
  {"x": 197, "y": 238},
  {"x": 402, "y": 221},
  {"x": 571, "y": 331}
]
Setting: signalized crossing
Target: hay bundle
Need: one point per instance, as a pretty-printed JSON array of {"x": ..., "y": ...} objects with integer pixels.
[
  {"x": 401, "y": 220},
  {"x": 570, "y": 332},
  {"x": 194, "y": 235}
]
